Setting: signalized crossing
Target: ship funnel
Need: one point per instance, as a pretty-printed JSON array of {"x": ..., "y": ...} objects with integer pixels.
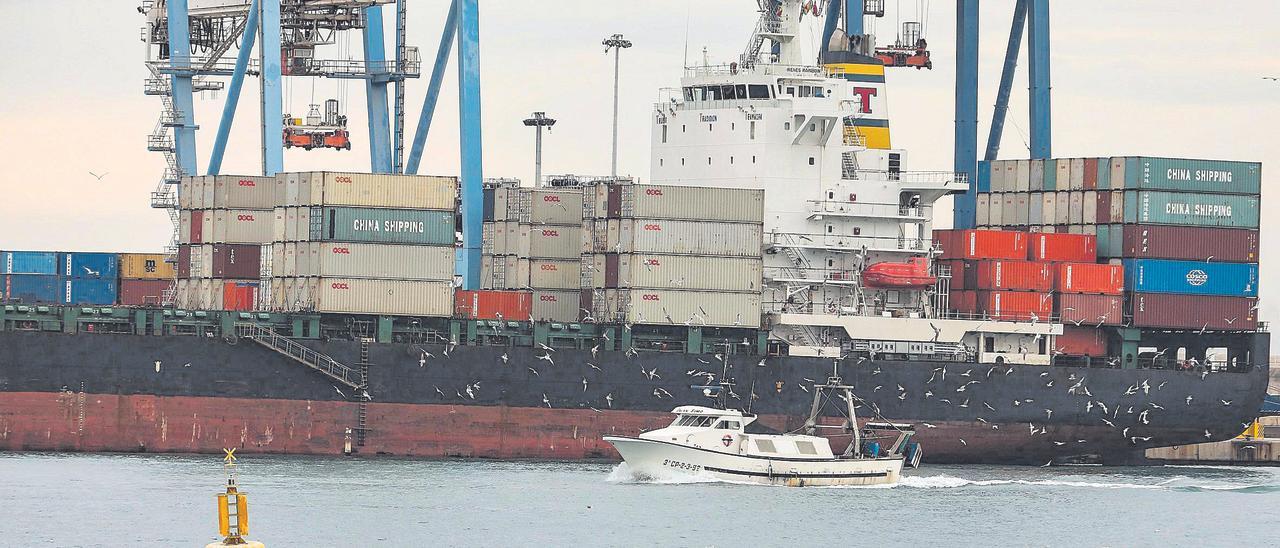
[{"x": 871, "y": 120}]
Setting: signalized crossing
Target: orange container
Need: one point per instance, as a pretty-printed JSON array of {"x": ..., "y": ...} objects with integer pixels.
[
  {"x": 488, "y": 304},
  {"x": 982, "y": 244},
  {"x": 1016, "y": 305},
  {"x": 1081, "y": 341},
  {"x": 1014, "y": 275},
  {"x": 1104, "y": 279},
  {"x": 1079, "y": 248}
]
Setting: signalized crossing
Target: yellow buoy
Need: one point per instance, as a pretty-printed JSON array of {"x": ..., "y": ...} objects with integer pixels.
[{"x": 233, "y": 510}]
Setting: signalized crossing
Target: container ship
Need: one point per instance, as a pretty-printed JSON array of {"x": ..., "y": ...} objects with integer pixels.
[{"x": 1101, "y": 307}]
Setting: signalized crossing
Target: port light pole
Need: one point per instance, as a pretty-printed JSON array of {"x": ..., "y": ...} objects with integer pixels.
[
  {"x": 538, "y": 121},
  {"x": 617, "y": 44}
]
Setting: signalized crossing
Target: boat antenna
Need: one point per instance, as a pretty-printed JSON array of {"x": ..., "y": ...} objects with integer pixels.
[{"x": 688, "y": 13}]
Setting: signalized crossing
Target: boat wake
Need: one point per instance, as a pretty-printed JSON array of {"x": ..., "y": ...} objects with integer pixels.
[
  {"x": 1177, "y": 483},
  {"x": 624, "y": 474}
]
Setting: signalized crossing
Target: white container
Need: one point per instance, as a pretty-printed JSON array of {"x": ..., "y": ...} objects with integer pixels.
[
  {"x": 361, "y": 296},
  {"x": 1009, "y": 202},
  {"x": 546, "y": 241},
  {"x": 1077, "y": 174},
  {"x": 678, "y": 307},
  {"x": 1037, "y": 175},
  {"x": 1091, "y": 230},
  {"x": 556, "y": 305},
  {"x": 1117, "y": 173},
  {"x": 240, "y": 191},
  {"x": 1075, "y": 229},
  {"x": 1049, "y": 208},
  {"x": 1062, "y": 212},
  {"x": 553, "y": 273},
  {"x": 545, "y": 205},
  {"x": 1089, "y": 215},
  {"x": 686, "y": 203},
  {"x": 278, "y": 226},
  {"x": 687, "y": 237},
  {"x": 998, "y": 176},
  {"x": 366, "y": 260},
  {"x": 1117, "y": 206},
  {"x": 1023, "y": 181},
  {"x": 184, "y": 226},
  {"x": 241, "y": 226},
  {"x": 1063, "y": 181},
  {"x": 995, "y": 215},
  {"x": 318, "y": 188},
  {"x": 637, "y": 271},
  {"x": 983, "y": 209},
  {"x": 1022, "y": 208},
  {"x": 1075, "y": 213},
  {"x": 1035, "y": 208}
]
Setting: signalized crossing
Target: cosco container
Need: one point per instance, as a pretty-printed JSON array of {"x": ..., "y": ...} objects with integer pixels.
[
  {"x": 1081, "y": 341},
  {"x": 493, "y": 305},
  {"x": 1062, "y": 247},
  {"x": 642, "y": 270},
  {"x": 360, "y": 296},
  {"x": 1105, "y": 279},
  {"x": 1186, "y": 243},
  {"x": 97, "y": 266},
  {"x": 89, "y": 291},
  {"x": 981, "y": 244},
  {"x": 691, "y": 203},
  {"x": 240, "y": 226},
  {"x": 1091, "y": 310},
  {"x": 360, "y": 260},
  {"x": 401, "y": 226},
  {"x": 33, "y": 288},
  {"x": 1172, "y": 208},
  {"x": 1011, "y": 275},
  {"x": 1191, "y": 277},
  {"x": 1186, "y": 175},
  {"x": 30, "y": 262},
  {"x": 323, "y": 188},
  {"x": 553, "y": 305},
  {"x": 545, "y": 206},
  {"x": 1173, "y": 311},
  {"x": 143, "y": 292},
  {"x": 675, "y": 307},
  {"x": 145, "y": 266},
  {"x": 1015, "y": 305},
  {"x": 685, "y": 237}
]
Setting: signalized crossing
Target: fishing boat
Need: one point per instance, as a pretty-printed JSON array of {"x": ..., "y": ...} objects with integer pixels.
[{"x": 727, "y": 445}]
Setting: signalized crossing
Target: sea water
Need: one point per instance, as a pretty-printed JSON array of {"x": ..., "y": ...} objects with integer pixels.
[{"x": 150, "y": 500}]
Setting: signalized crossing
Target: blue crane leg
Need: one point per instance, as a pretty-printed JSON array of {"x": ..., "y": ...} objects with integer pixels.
[
  {"x": 469, "y": 125},
  {"x": 375, "y": 56},
  {"x": 828, "y": 28},
  {"x": 966, "y": 139},
  {"x": 233, "y": 93},
  {"x": 184, "y": 135},
  {"x": 271, "y": 91},
  {"x": 1038, "y": 46},
  {"x": 433, "y": 89},
  {"x": 853, "y": 17},
  {"x": 1006, "y": 80}
]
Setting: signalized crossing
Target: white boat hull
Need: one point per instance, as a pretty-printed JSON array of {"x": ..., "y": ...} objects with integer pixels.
[{"x": 658, "y": 459}]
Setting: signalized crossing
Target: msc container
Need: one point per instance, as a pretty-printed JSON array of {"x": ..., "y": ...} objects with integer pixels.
[
  {"x": 1093, "y": 310},
  {"x": 103, "y": 266},
  {"x": 686, "y": 237},
  {"x": 1187, "y": 243},
  {"x": 1090, "y": 173},
  {"x": 142, "y": 292},
  {"x": 400, "y": 226},
  {"x": 92, "y": 291},
  {"x": 1011, "y": 275},
  {"x": 1191, "y": 277},
  {"x": 553, "y": 273},
  {"x": 546, "y": 206},
  {"x": 552, "y": 305},
  {"x": 30, "y": 262},
  {"x": 675, "y": 307},
  {"x": 1186, "y": 175},
  {"x": 238, "y": 191},
  {"x": 1081, "y": 341},
  {"x": 1173, "y": 311},
  {"x": 1077, "y": 174},
  {"x": 1089, "y": 208},
  {"x": 145, "y": 266},
  {"x": 1173, "y": 208},
  {"x": 685, "y": 203},
  {"x": 1037, "y": 175},
  {"x": 33, "y": 288},
  {"x": 493, "y": 305},
  {"x": 1051, "y": 175},
  {"x": 639, "y": 270},
  {"x": 1023, "y": 181},
  {"x": 1015, "y": 305},
  {"x": 982, "y": 244},
  {"x": 323, "y": 188},
  {"x": 240, "y": 226},
  {"x": 361, "y": 296},
  {"x": 1102, "y": 213},
  {"x": 1062, "y": 247},
  {"x": 982, "y": 209},
  {"x": 1105, "y": 279}
]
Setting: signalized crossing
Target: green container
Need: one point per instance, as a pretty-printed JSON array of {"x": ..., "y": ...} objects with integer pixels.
[
  {"x": 1187, "y": 209},
  {"x": 1050, "y": 174},
  {"x": 1216, "y": 176},
  {"x": 1110, "y": 241},
  {"x": 388, "y": 226},
  {"x": 1104, "y": 173}
]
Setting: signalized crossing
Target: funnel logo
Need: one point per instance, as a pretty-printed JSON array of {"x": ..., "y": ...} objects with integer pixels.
[{"x": 1197, "y": 277}]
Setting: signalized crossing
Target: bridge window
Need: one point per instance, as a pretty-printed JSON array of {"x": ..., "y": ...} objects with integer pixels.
[
  {"x": 741, "y": 90},
  {"x": 727, "y": 425},
  {"x": 758, "y": 91},
  {"x": 811, "y": 160},
  {"x": 688, "y": 94},
  {"x": 791, "y": 91}
]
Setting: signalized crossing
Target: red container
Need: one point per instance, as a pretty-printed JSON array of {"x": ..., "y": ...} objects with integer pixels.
[
  {"x": 243, "y": 261},
  {"x": 963, "y": 273},
  {"x": 142, "y": 292},
  {"x": 184, "y": 261},
  {"x": 1090, "y": 310},
  {"x": 488, "y": 304},
  {"x": 982, "y": 244},
  {"x": 197, "y": 226},
  {"x": 1016, "y": 305},
  {"x": 1014, "y": 275},
  {"x": 1188, "y": 243},
  {"x": 964, "y": 302},
  {"x": 1081, "y": 341},
  {"x": 1105, "y": 279},
  {"x": 1175, "y": 311},
  {"x": 1104, "y": 209},
  {"x": 1090, "y": 173},
  {"x": 1081, "y": 248},
  {"x": 239, "y": 295}
]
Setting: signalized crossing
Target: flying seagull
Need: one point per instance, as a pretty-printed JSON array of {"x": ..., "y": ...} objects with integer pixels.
[{"x": 99, "y": 177}]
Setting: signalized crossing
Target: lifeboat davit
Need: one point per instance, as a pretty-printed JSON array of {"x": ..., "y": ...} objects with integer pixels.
[{"x": 913, "y": 274}]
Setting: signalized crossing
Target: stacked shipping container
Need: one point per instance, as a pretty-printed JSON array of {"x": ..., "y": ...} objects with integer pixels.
[
  {"x": 48, "y": 277},
  {"x": 530, "y": 243},
  {"x": 144, "y": 279},
  {"x": 225, "y": 221}
]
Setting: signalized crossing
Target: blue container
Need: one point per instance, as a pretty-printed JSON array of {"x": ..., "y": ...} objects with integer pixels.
[
  {"x": 29, "y": 262},
  {"x": 984, "y": 177},
  {"x": 32, "y": 288},
  {"x": 83, "y": 291},
  {"x": 96, "y": 266},
  {"x": 1191, "y": 277},
  {"x": 1104, "y": 173},
  {"x": 1051, "y": 175}
]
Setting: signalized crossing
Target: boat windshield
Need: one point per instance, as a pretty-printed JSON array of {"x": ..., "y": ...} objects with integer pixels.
[{"x": 694, "y": 421}]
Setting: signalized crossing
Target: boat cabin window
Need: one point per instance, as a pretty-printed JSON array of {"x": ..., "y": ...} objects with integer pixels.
[
  {"x": 765, "y": 446},
  {"x": 727, "y": 425},
  {"x": 694, "y": 421},
  {"x": 806, "y": 448},
  {"x": 758, "y": 91}
]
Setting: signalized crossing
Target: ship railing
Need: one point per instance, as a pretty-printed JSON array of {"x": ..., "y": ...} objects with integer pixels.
[
  {"x": 771, "y": 69},
  {"x": 837, "y": 207},
  {"x": 323, "y": 363},
  {"x": 932, "y": 178}
]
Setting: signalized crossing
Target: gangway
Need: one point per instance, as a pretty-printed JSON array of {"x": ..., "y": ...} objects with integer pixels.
[{"x": 348, "y": 376}]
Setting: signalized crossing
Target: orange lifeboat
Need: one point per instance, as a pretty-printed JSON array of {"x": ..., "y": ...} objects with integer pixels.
[{"x": 913, "y": 274}]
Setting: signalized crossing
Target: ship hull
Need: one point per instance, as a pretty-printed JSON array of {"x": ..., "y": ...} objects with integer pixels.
[{"x": 103, "y": 393}]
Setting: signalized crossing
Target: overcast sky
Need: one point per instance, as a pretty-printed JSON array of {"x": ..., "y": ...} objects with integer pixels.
[{"x": 1129, "y": 78}]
